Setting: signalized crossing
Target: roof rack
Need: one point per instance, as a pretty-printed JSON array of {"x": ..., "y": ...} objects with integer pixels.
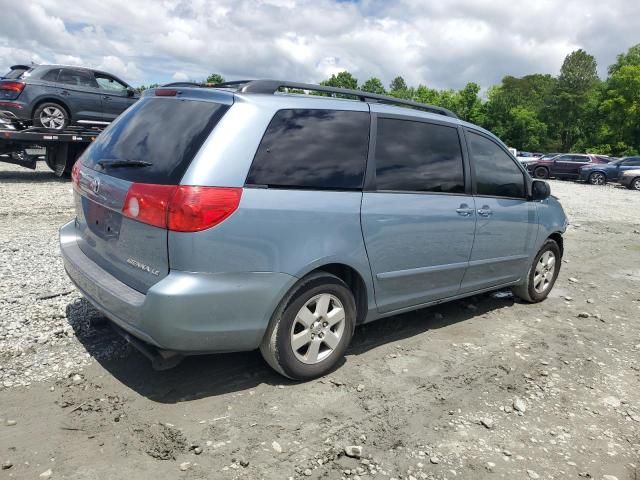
[{"x": 272, "y": 86}]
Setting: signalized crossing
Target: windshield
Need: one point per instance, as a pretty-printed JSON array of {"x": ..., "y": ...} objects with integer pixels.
[{"x": 155, "y": 140}]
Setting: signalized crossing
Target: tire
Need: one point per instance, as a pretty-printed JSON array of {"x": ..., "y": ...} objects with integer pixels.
[
  {"x": 541, "y": 173},
  {"x": 532, "y": 291},
  {"x": 634, "y": 184},
  {"x": 51, "y": 116},
  {"x": 314, "y": 357},
  {"x": 598, "y": 178}
]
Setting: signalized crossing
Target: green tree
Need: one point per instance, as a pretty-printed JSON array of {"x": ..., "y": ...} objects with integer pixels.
[
  {"x": 398, "y": 84},
  {"x": 214, "y": 78},
  {"x": 373, "y": 85},
  {"x": 575, "y": 93},
  {"x": 632, "y": 57},
  {"x": 343, "y": 79},
  {"x": 469, "y": 105}
]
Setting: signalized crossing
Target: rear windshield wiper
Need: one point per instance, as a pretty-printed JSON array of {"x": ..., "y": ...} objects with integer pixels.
[{"x": 123, "y": 163}]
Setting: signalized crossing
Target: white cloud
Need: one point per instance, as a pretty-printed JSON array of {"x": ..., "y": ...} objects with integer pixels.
[
  {"x": 180, "y": 77},
  {"x": 442, "y": 44}
]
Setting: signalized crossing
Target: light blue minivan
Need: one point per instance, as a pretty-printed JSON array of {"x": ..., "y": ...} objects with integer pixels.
[{"x": 244, "y": 216}]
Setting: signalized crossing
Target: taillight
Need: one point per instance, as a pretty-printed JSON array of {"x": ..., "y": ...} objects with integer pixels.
[
  {"x": 197, "y": 208},
  {"x": 148, "y": 203},
  {"x": 12, "y": 86},
  {"x": 75, "y": 175},
  {"x": 180, "y": 208}
]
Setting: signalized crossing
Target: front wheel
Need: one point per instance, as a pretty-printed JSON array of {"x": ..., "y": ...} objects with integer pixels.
[
  {"x": 634, "y": 184},
  {"x": 311, "y": 329},
  {"x": 542, "y": 274},
  {"x": 597, "y": 178}
]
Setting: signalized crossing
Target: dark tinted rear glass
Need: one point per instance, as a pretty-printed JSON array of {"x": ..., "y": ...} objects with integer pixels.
[
  {"x": 15, "y": 73},
  {"x": 418, "y": 157},
  {"x": 313, "y": 149},
  {"x": 165, "y": 132}
]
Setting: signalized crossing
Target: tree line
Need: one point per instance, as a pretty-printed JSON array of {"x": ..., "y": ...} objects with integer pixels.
[{"x": 575, "y": 111}]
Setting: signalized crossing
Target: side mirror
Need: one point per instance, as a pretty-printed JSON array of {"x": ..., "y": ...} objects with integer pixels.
[
  {"x": 130, "y": 92},
  {"x": 540, "y": 190}
]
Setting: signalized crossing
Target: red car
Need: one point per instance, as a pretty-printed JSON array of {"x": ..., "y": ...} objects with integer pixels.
[{"x": 567, "y": 165}]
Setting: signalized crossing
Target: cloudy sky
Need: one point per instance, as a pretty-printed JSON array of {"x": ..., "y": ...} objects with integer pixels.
[{"x": 441, "y": 43}]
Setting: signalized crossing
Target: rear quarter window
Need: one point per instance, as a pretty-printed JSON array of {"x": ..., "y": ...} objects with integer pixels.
[
  {"x": 164, "y": 132},
  {"x": 315, "y": 149}
]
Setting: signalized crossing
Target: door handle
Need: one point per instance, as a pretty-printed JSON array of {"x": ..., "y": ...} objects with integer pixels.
[
  {"x": 464, "y": 210},
  {"x": 65, "y": 93},
  {"x": 106, "y": 97},
  {"x": 485, "y": 211}
]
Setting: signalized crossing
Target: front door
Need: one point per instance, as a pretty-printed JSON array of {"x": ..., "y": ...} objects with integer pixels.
[
  {"x": 506, "y": 225},
  {"x": 115, "y": 96},
  {"x": 418, "y": 219}
]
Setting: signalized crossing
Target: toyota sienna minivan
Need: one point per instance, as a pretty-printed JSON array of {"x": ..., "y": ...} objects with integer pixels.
[{"x": 242, "y": 217}]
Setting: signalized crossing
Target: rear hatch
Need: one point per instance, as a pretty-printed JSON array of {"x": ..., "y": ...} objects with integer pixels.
[{"x": 145, "y": 152}]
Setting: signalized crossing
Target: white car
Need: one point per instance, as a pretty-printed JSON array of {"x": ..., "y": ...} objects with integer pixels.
[{"x": 631, "y": 179}]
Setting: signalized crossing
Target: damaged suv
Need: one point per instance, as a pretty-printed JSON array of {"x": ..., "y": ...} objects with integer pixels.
[{"x": 242, "y": 217}]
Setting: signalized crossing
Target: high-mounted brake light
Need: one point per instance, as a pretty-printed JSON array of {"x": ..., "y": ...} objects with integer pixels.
[
  {"x": 165, "y": 92},
  {"x": 180, "y": 208},
  {"x": 12, "y": 86}
]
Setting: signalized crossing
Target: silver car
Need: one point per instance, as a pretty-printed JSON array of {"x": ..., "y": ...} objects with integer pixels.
[{"x": 241, "y": 217}]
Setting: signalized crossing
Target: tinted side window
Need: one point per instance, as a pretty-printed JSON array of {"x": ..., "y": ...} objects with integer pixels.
[
  {"x": 418, "y": 157},
  {"x": 78, "y": 78},
  {"x": 51, "y": 75},
  {"x": 632, "y": 162},
  {"x": 497, "y": 175},
  {"x": 313, "y": 149}
]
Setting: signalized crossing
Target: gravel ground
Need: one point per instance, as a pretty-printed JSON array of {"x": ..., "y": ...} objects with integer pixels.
[{"x": 481, "y": 388}]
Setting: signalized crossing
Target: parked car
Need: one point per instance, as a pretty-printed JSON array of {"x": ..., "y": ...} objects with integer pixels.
[
  {"x": 54, "y": 96},
  {"x": 567, "y": 165},
  {"x": 211, "y": 220},
  {"x": 631, "y": 179},
  {"x": 601, "y": 173}
]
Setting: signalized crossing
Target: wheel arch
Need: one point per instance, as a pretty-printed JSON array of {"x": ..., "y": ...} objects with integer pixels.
[
  {"x": 354, "y": 280},
  {"x": 557, "y": 237},
  {"x": 56, "y": 100}
]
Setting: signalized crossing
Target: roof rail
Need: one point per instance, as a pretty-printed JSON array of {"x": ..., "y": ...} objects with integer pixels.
[{"x": 272, "y": 86}]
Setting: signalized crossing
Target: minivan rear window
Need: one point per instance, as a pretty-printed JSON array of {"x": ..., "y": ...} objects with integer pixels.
[
  {"x": 313, "y": 149},
  {"x": 165, "y": 132}
]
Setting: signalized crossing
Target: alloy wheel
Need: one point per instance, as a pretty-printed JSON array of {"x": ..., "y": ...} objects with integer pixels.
[
  {"x": 597, "y": 179},
  {"x": 544, "y": 272},
  {"x": 636, "y": 184},
  {"x": 317, "y": 328},
  {"x": 52, "y": 117}
]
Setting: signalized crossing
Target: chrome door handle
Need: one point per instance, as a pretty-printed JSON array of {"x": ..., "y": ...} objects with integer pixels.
[
  {"x": 464, "y": 210},
  {"x": 485, "y": 211}
]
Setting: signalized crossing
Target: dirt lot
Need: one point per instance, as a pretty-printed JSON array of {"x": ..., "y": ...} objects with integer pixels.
[{"x": 481, "y": 388}]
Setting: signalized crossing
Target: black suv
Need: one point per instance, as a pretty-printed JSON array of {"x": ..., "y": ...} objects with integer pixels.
[{"x": 54, "y": 96}]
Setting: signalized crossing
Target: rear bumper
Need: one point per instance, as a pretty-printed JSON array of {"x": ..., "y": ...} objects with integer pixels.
[
  {"x": 185, "y": 312},
  {"x": 15, "y": 108}
]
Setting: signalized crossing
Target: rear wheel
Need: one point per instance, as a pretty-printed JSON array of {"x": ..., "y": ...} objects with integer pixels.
[
  {"x": 541, "y": 172},
  {"x": 542, "y": 274},
  {"x": 51, "y": 116},
  {"x": 597, "y": 178},
  {"x": 634, "y": 184},
  {"x": 311, "y": 329}
]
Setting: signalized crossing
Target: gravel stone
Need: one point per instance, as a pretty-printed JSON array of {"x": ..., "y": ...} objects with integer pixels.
[{"x": 354, "y": 451}]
